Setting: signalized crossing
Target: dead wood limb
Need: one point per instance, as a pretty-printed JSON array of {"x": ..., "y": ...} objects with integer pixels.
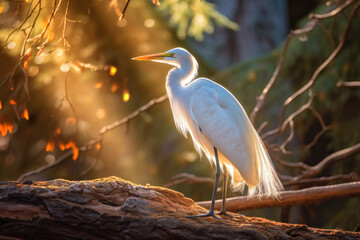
[
  {"x": 188, "y": 178},
  {"x": 111, "y": 208},
  {"x": 290, "y": 198}
]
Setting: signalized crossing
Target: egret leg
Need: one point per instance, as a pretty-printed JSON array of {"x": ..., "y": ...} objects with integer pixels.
[
  {"x": 217, "y": 176},
  {"x": 223, "y": 206}
]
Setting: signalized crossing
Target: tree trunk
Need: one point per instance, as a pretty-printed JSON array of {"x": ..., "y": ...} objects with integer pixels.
[
  {"x": 111, "y": 208},
  {"x": 263, "y": 27}
]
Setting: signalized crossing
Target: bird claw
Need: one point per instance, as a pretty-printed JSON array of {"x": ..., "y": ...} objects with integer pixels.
[
  {"x": 209, "y": 214},
  {"x": 224, "y": 213}
]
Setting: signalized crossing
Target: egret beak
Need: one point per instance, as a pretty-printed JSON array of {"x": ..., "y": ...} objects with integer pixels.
[{"x": 153, "y": 56}]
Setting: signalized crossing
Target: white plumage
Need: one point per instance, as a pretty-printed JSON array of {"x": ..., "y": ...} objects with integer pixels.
[{"x": 214, "y": 118}]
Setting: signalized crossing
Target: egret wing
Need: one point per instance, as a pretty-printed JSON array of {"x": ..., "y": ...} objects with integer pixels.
[{"x": 224, "y": 122}]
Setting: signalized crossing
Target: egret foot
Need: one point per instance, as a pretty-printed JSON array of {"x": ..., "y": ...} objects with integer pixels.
[
  {"x": 209, "y": 214},
  {"x": 224, "y": 213}
]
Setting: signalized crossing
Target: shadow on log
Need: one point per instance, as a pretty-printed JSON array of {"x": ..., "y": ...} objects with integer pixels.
[{"x": 111, "y": 208}]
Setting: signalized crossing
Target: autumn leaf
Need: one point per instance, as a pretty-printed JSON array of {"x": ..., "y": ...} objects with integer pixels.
[
  {"x": 25, "y": 114},
  {"x": 74, "y": 148},
  {"x": 0, "y": 105},
  {"x": 75, "y": 153},
  {"x": 61, "y": 145},
  {"x": 50, "y": 146},
  {"x": 3, "y": 129},
  {"x": 12, "y": 102},
  {"x": 58, "y": 131}
]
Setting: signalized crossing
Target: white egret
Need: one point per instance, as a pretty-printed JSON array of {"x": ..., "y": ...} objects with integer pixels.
[{"x": 218, "y": 126}]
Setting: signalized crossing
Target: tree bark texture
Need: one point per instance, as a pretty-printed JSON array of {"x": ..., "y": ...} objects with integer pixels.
[{"x": 111, "y": 208}]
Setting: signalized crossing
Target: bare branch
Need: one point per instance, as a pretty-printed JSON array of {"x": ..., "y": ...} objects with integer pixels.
[
  {"x": 321, "y": 180},
  {"x": 332, "y": 13},
  {"x": 348, "y": 84},
  {"x": 189, "y": 178},
  {"x": 323, "y": 65},
  {"x": 314, "y": 20},
  {"x": 46, "y": 167},
  {"x": 290, "y": 198},
  {"x": 133, "y": 115},
  {"x": 329, "y": 160}
]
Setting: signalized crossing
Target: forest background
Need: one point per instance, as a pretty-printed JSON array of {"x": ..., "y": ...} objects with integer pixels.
[{"x": 66, "y": 72}]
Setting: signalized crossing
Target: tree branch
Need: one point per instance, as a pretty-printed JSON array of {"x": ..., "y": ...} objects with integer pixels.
[
  {"x": 99, "y": 138},
  {"x": 314, "y": 20},
  {"x": 186, "y": 177},
  {"x": 290, "y": 198}
]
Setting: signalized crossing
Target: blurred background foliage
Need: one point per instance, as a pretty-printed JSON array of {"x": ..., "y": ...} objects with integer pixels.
[{"x": 78, "y": 88}]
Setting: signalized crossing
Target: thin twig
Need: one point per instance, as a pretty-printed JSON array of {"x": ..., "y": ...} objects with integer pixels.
[
  {"x": 348, "y": 84},
  {"x": 189, "y": 178},
  {"x": 46, "y": 167},
  {"x": 314, "y": 20},
  {"x": 329, "y": 160},
  {"x": 323, "y": 65},
  {"x": 321, "y": 180}
]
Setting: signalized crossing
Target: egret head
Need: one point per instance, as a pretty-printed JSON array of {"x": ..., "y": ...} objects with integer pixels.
[{"x": 176, "y": 57}]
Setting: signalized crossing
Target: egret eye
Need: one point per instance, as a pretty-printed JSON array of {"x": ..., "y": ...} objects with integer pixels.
[{"x": 169, "y": 54}]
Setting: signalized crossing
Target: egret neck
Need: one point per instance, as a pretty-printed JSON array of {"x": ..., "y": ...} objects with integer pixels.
[{"x": 179, "y": 93}]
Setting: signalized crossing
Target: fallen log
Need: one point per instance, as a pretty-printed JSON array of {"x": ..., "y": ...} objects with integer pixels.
[{"x": 112, "y": 208}]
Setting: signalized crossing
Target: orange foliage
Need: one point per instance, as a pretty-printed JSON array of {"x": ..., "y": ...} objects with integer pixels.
[
  {"x": 58, "y": 131},
  {"x": 0, "y": 105},
  {"x": 25, "y": 114},
  {"x": 74, "y": 148},
  {"x": 61, "y": 146},
  {"x": 6, "y": 127},
  {"x": 12, "y": 102},
  {"x": 50, "y": 146},
  {"x": 10, "y": 127}
]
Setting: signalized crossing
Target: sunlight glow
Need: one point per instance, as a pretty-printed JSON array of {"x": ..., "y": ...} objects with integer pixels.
[
  {"x": 100, "y": 113},
  {"x": 11, "y": 45},
  {"x": 149, "y": 23},
  {"x": 65, "y": 67},
  {"x": 126, "y": 95},
  {"x": 112, "y": 70}
]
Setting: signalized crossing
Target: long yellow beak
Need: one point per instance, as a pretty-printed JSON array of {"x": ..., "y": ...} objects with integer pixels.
[{"x": 153, "y": 56}]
